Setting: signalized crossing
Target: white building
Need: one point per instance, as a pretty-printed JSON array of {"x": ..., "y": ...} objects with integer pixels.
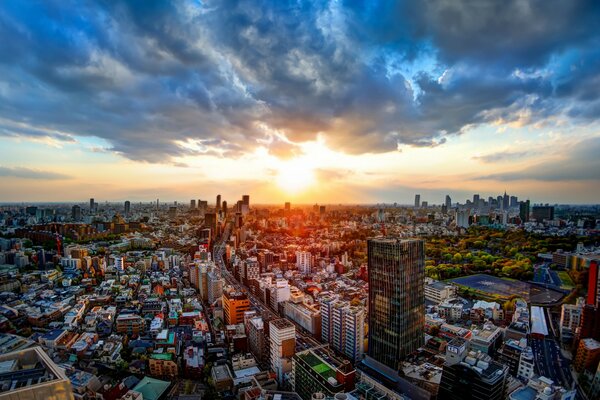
[
  {"x": 304, "y": 262},
  {"x": 283, "y": 346},
  {"x": 570, "y": 319}
]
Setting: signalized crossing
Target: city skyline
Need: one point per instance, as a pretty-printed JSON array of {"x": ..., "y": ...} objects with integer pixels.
[{"x": 325, "y": 102}]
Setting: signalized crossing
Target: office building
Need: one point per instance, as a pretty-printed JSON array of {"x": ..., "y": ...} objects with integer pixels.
[
  {"x": 505, "y": 201},
  {"x": 172, "y": 212},
  {"x": 417, "y": 200},
  {"x": 218, "y": 203},
  {"x": 524, "y": 211},
  {"x": 127, "y": 207},
  {"x": 92, "y": 205},
  {"x": 542, "y": 213},
  {"x": 470, "y": 375},
  {"x": 192, "y": 204},
  {"x": 235, "y": 304},
  {"x": 319, "y": 371},
  {"x": 282, "y": 337},
  {"x": 210, "y": 221},
  {"x": 76, "y": 213},
  {"x": 396, "y": 298},
  {"x": 287, "y": 206},
  {"x": 448, "y": 202},
  {"x": 31, "y": 374},
  {"x": 514, "y": 201}
]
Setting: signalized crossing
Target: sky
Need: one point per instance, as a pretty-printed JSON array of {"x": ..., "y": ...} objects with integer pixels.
[{"x": 321, "y": 101}]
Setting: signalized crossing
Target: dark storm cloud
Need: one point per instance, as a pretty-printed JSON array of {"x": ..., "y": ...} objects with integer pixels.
[
  {"x": 27, "y": 173},
  {"x": 581, "y": 162},
  {"x": 159, "y": 80}
]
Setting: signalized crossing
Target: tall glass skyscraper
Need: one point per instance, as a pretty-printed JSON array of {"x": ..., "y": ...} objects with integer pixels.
[{"x": 396, "y": 298}]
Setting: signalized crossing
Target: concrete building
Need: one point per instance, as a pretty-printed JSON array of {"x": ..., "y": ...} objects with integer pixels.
[
  {"x": 319, "y": 371},
  {"x": 469, "y": 375},
  {"x": 235, "y": 304},
  {"x": 31, "y": 374},
  {"x": 283, "y": 346}
]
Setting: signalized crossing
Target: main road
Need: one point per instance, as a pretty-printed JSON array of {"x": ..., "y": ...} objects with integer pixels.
[{"x": 218, "y": 253}]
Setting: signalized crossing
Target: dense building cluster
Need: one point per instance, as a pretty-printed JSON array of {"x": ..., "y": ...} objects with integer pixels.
[{"x": 151, "y": 301}]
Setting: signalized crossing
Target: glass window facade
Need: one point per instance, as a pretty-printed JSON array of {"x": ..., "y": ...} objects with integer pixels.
[{"x": 396, "y": 298}]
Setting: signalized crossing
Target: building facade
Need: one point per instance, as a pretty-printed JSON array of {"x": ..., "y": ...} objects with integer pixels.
[{"x": 396, "y": 298}]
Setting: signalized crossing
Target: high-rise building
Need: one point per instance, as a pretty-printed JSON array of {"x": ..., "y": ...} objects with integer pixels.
[
  {"x": 396, "y": 298},
  {"x": 524, "y": 211},
  {"x": 92, "y": 205},
  {"x": 304, "y": 262},
  {"x": 282, "y": 337},
  {"x": 193, "y": 204},
  {"x": 215, "y": 287},
  {"x": 235, "y": 304},
  {"x": 505, "y": 201},
  {"x": 448, "y": 202},
  {"x": 210, "y": 221},
  {"x": 541, "y": 213},
  {"x": 172, "y": 212},
  {"x": 224, "y": 207},
  {"x": 514, "y": 201},
  {"x": 343, "y": 327},
  {"x": 76, "y": 213},
  {"x": 417, "y": 200},
  {"x": 127, "y": 207},
  {"x": 287, "y": 206},
  {"x": 218, "y": 204},
  {"x": 475, "y": 200},
  {"x": 246, "y": 200}
]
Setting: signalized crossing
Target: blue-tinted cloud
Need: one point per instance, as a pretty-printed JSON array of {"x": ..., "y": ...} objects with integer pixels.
[{"x": 151, "y": 76}]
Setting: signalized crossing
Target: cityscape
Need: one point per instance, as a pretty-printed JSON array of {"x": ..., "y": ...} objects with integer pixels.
[{"x": 299, "y": 200}]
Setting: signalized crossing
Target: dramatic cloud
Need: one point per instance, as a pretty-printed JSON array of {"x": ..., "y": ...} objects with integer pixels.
[
  {"x": 159, "y": 80},
  {"x": 579, "y": 163},
  {"x": 20, "y": 172}
]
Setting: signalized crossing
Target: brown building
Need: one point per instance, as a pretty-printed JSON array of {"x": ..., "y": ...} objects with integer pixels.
[
  {"x": 163, "y": 365},
  {"x": 588, "y": 355}
]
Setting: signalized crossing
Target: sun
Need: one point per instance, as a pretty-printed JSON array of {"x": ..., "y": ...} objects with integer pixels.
[{"x": 295, "y": 176}]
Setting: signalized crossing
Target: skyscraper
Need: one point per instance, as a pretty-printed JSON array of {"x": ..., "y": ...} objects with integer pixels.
[
  {"x": 246, "y": 199},
  {"x": 396, "y": 298},
  {"x": 218, "y": 205},
  {"x": 448, "y": 202},
  {"x": 193, "y": 204},
  {"x": 92, "y": 205},
  {"x": 76, "y": 213},
  {"x": 127, "y": 207},
  {"x": 475, "y": 200},
  {"x": 524, "y": 211},
  {"x": 287, "y": 206},
  {"x": 505, "y": 201},
  {"x": 417, "y": 200}
]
